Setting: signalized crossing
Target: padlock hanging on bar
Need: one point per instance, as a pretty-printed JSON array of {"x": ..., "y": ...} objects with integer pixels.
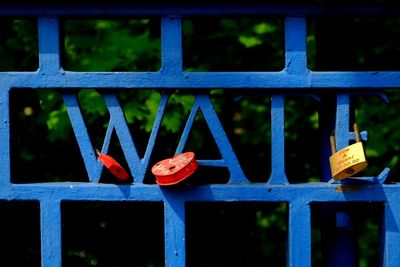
[{"x": 349, "y": 160}]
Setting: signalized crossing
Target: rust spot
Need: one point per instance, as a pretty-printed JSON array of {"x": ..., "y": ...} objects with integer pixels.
[{"x": 348, "y": 188}]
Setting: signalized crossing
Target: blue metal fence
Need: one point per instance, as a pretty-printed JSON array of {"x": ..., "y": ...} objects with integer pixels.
[{"x": 295, "y": 79}]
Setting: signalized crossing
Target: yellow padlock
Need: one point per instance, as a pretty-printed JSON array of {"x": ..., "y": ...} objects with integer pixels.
[{"x": 349, "y": 160}]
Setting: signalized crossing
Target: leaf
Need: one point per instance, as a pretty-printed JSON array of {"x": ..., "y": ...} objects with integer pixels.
[
  {"x": 92, "y": 104},
  {"x": 133, "y": 111},
  {"x": 48, "y": 99},
  {"x": 249, "y": 41},
  {"x": 263, "y": 28},
  {"x": 152, "y": 106},
  {"x": 58, "y": 125}
]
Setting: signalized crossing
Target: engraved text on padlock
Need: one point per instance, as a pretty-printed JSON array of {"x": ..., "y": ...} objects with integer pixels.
[{"x": 349, "y": 160}]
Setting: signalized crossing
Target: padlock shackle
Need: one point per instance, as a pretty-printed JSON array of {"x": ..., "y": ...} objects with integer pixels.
[
  {"x": 357, "y": 133},
  {"x": 332, "y": 142}
]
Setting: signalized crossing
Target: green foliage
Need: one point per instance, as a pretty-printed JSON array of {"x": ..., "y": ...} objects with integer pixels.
[
  {"x": 179, "y": 107},
  {"x": 259, "y": 30},
  {"x": 19, "y": 48},
  {"x": 53, "y": 113},
  {"x": 112, "y": 45},
  {"x": 239, "y": 42},
  {"x": 57, "y": 124},
  {"x": 92, "y": 102}
]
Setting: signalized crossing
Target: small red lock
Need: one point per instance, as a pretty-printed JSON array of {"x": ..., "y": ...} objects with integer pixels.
[
  {"x": 113, "y": 166},
  {"x": 174, "y": 170}
]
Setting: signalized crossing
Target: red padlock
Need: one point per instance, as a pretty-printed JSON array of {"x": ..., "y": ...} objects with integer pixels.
[
  {"x": 174, "y": 170},
  {"x": 113, "y": 166}
]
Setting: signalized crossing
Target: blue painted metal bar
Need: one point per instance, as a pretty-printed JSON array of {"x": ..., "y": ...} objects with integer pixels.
[
  {"x": 315, "y": 192},
  {"x": 343, "y": 248},
  {"x": 278, "y": 174},
  {"x": 171, "y": 50},
  {"x": 342, "y": 121},
  {"x": 342, "y": 241},
  {"x": 390, "y": 232},
  {"x": 296, "y": 45},
  {"x": 315, "y": 81},
  {"x": 5, "y": 165},
  {"x": 49, "y": 45},
  {"x": 213, "y": 163},
  {"x": 174, "y": 227},
  {"x": 50, "y": 221},
  {"x": 299, "y": 236}
]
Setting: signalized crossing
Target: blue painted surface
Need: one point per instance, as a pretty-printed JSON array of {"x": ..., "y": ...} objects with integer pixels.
[
  {"x": 299, "y": 240},
  {"x": 50, "y": 217},
  {"x": 294, "y": 78},
  {"x": 296, "y": 46},
  {"x": 268, "y": 81},
  {"x": 5, "y": 175},
  {"x": 49, "y": 45},
  {"x": 278, "y": 175}
]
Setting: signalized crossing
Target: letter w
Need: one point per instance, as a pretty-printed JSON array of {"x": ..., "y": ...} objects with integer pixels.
[{"x": 137, "y": 165}]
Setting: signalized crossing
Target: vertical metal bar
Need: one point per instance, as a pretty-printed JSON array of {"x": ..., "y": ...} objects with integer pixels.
[
  {"x": 278, "y": 175},
  {"x": 342, "y": 250},
  {"x": 342, "y": 120},
  {"x": 171, "y": 44},
  {"x": 299, "y": 241},
  {"x": 5, "y": 169},
  {"x": 50, "y": 222},
  {"x": 296, "y": 45},
  {"x": 174, "y": 225},
  {"x": 390, "y": 232},
  {"x": 342, "y": 246},
  {"x": 49, "y": 45}
]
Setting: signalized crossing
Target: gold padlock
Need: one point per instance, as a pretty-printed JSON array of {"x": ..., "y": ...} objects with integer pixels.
[{"x": 349, "y": 160}]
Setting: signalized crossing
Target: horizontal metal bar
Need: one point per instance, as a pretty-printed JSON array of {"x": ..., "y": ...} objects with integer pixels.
[
  {"x": 311, "y": 80},
  {"x": 76, "y": 10},
  {"x": 309, "y": 192}
]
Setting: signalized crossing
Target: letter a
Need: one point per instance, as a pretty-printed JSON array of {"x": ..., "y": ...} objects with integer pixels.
[{"x": 229, "y": 160}]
